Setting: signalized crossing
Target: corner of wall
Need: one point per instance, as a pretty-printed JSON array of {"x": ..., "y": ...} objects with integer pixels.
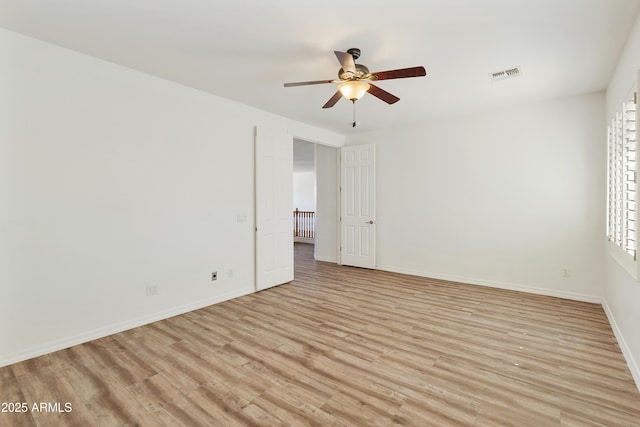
[{"x": 626, "y": 351}]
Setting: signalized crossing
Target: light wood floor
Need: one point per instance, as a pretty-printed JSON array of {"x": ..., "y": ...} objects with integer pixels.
[{"x": 345, "y": 346}]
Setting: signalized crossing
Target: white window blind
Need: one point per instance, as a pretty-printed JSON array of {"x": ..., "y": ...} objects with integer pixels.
[{"x": 622, "y": 177}]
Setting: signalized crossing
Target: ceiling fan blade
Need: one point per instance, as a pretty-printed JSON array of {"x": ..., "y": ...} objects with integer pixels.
[
  {"x": 400, "y": 73},
  {"x": 331, "y": 102},
  {"x": 313, "y": 82},
  {"x": 346, "y": 60},
  {"x": 382, "y": 94}
]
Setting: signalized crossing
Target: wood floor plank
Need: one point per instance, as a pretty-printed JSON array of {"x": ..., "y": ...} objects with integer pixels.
[
  {"x": 11, "y": 393},
  {"x": 342, "y": 346}
]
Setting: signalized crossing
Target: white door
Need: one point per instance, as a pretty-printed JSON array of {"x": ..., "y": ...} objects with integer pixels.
[
  {"x": 358, "y": 206},
  {"x": 274, "y": 208}
]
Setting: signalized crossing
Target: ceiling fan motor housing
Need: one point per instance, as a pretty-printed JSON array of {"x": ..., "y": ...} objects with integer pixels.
[{"x": 361, "y": 72}]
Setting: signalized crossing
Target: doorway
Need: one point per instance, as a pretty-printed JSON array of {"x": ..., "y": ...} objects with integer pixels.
[
  {"x": 274, "y": 254},
  {"x": 315, "y": 195},
  {"x": 304, "y": 192}
]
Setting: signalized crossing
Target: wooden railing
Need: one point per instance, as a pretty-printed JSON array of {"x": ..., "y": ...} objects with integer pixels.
[{"x": 304, "y": 224}]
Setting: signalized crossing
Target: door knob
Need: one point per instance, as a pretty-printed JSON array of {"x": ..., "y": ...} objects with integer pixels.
[{"x": 369, "y": 222}]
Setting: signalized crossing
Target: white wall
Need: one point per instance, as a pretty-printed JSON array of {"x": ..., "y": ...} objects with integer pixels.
[
  {"x": 327, "y": 203},
  {"x": 111, "y": 181},
  {"x": 304, "y": 190},
  {"x": 505, "y": 198},
  {"x": 622, "y": 292}
]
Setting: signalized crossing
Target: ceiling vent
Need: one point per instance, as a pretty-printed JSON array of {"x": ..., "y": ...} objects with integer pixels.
[{"x": 505, "y": 74}]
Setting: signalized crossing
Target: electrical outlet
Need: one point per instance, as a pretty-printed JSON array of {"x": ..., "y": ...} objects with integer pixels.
[
  {"x": 152, "y": 290},
  {"x": 214, "y": 276},
  {"x": 230, "y": 273},
  {"x": 565, "y": 272}
]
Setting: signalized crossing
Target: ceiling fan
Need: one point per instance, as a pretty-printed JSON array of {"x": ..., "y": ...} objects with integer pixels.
[{"x": 355, "y": 80}]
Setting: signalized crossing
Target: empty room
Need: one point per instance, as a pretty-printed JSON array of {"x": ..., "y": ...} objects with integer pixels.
[{"x": 339, "y": 214}]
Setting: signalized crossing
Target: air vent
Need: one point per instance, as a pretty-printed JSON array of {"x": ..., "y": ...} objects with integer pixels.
[{"x": 505, "y": 74}]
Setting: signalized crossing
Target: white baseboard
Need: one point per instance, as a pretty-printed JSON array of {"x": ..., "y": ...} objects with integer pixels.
[
  {"x": 493, "y": 284},
  {"x": 631, "y": 362},
  {"x": 326, "y": 259},
  {"x": 60, "y": 344}
]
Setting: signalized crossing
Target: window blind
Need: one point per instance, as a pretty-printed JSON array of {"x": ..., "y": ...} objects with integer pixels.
[{"x": 622, "y": 177}]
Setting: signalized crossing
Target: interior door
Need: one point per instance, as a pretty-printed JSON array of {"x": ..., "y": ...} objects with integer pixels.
[
  {"x": 358, "y": 206},
  {"x": 274, "y": 208}
]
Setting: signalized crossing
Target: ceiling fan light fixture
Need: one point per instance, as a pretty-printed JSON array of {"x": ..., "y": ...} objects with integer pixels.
[{"x": 353, "y": 89}]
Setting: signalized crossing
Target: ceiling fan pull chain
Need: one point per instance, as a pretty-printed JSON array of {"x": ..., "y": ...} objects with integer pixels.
[{"x": 354, "y": 113}]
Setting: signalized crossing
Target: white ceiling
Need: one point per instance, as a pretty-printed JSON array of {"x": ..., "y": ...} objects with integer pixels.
[{"x": 245, "y": 50}]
